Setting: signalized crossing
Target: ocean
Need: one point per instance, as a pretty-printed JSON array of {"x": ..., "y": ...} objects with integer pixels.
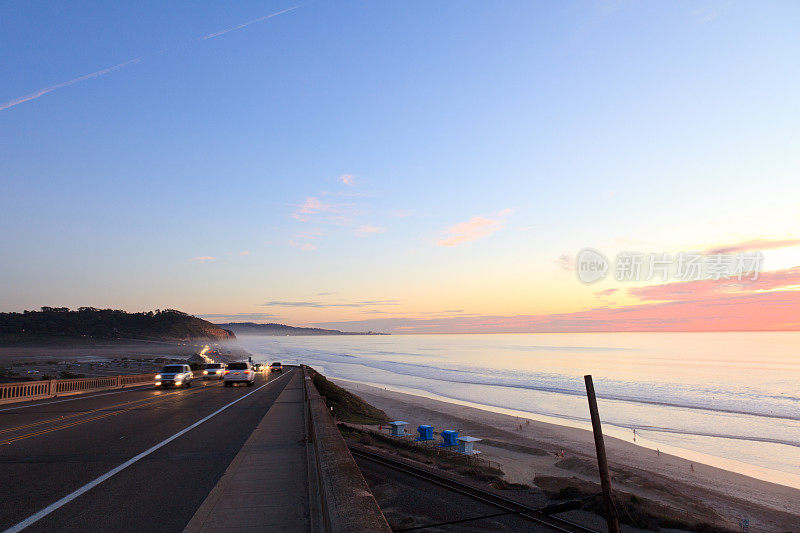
[{"x": 730, "y": 400}]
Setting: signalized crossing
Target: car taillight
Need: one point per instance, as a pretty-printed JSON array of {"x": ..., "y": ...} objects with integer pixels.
[
  {"x": 246, "y": 371},
  {"x": 227, "y": 371}
]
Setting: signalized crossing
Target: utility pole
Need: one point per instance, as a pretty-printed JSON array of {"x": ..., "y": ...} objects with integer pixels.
[{"x": 612, "y": 518}]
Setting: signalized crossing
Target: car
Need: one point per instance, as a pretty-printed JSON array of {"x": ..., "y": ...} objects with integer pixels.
[
  {"x": 174, "y": 376},
  {"x": 214, "y": 371},
  {"x": 240, "y": 372},
  {"x": 276, "y": 367},
  {"x": 258, "y": 367}
]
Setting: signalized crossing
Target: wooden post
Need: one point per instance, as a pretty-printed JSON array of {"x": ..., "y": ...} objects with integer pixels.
[{"x": 602, "y": 463}]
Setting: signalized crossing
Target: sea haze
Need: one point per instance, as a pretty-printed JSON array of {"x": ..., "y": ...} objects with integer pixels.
[{"x": 733, "y": 396}]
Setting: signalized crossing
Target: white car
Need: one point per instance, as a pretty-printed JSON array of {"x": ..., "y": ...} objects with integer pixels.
[
  {"x": 175, "y": 376},
  {"x": 214, "y": 371},
  {"x": 240, "y": 372}
]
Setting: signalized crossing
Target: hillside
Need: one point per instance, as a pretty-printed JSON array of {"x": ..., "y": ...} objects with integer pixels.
[
  {"x": 251, "y": 328},
  {"x": 91, "y": 323}
]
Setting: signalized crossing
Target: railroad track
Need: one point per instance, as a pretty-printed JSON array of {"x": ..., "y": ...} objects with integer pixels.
[{"x": 510, "y": 506}]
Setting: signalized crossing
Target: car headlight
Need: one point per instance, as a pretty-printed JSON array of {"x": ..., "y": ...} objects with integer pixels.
[
  {"x": 158, "y": 376},
  {"x": 205, "y": 371},
  {"x": 158, "y": 383}
]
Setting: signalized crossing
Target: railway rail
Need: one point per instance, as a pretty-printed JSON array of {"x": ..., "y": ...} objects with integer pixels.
[{"x": 508, "y": 505}]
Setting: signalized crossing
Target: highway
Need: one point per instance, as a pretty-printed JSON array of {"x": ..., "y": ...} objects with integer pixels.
[{"x": 162, "y": 464}]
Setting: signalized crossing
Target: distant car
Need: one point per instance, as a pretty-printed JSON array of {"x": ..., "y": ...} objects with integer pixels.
[
  {"x": 276, "y": 367},
  {"x": 241, "y": 372},
  {"x": 258, "y": 367},
  {"x": 175, "y": 376},
  {"x": 214, "y": 371}
]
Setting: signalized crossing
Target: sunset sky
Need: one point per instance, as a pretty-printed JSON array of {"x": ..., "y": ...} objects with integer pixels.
[{"x": 408, "y": 167}]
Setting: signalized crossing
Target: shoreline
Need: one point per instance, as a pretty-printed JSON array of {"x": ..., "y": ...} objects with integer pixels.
[
  {"x": 761, "y": 473},
  {"x": 668, "y": 478}
]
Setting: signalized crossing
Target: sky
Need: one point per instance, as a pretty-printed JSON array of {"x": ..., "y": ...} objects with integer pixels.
[{"x": 410, "y": 167}]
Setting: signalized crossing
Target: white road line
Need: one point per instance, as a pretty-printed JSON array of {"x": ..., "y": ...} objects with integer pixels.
[{"x": 92, "y": 484}]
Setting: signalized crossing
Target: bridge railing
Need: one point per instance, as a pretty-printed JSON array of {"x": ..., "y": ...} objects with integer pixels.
[{"x": 36, "y": 390}]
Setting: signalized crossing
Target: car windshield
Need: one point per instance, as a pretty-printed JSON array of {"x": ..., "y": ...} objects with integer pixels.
[
  {"x": 214, "y": 365},
  {"x": 171, "y": 369},
  {"x": 237, "y": 366},
  {"x": 276, "y": 364}
]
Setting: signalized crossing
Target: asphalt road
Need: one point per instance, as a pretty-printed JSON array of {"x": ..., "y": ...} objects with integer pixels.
[{"x": 51, "y": 449}]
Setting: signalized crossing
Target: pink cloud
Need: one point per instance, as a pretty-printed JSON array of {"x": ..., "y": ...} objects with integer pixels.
[
  {"x": 701, "y": 289},
  {"x": 566, "y": 262},
  {"x": 768, "y": 304},
  {"x": 204, "y": 258},
  {"x": 348, "y": 179},
  {"x": 772, "y": 311},
  {"x": 367, "y": 230},
  {"x": 607, "y": 292},
  {"x": 311, "y": 205},
  {"x": 753, "y": 245},
  {"x": 474, "y": 229},
  {"x": 307, "y": 246},
  {"x": 244, "y": 252}
]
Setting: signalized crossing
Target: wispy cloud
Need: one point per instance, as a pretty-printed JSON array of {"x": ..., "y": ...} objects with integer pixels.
[
  {"x": 323, "y": 305},
  {"x": 236, "y": 317},
  {"x": 41, "y": 92},
  {"x": 475, "y": 228},
  {"x": 709, "y": 288},
  {"x": 752, "y": 246},
  {"x": 401, "y": 213},
  {"x": 245, "y": 252},
  {"x": 311, "y": 205},
  {"x": 607, "y": 292},
  {"x": 204, "y": 258},
  {"x": 313, "y": 209},
  {"x": 566, "y": 262},
  {"x": 348, "y": 179},
  {"x": 368, "y": 230},
  {"x": 307, "y": 246}
]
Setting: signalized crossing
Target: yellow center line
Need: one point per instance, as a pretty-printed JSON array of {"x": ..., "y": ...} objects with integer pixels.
[
  {"x": 99, "y": 417},
  {"x": 83, "y": 413}
]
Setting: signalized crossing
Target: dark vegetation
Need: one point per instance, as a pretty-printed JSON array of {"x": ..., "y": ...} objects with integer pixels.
[
  {"x": 251, "y": 328},
  {"x": 346, "y": 405},
  {"x": 633, "y": 510},
  {"x": 91, "y": 323}
]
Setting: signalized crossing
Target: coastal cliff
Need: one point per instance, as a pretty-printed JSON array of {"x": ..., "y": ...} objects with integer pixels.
[{"x": 91, "y": 323}]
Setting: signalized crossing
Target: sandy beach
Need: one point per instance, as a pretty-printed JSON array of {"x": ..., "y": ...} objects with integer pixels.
[{"x": 528, "y": 448}]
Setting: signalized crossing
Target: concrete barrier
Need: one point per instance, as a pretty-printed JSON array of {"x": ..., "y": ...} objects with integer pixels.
[
  {"x": 36, "y": 390},
  {"x": 347, "y": 503}
]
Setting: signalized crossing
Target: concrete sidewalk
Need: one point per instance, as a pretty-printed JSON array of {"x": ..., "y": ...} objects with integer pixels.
[{"x": 266, "y": 486}]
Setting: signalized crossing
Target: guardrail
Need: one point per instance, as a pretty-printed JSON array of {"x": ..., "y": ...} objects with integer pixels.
[
  {"x": 36, "y": 390},
  {"x": 347, "y": 503}
]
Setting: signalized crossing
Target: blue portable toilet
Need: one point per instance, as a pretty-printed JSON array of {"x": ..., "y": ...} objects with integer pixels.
[
  {"x": 425, "y": 433},
  {"x": 449, "y": 437}
]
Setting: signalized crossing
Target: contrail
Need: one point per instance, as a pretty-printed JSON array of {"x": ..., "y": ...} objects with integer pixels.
[{"x": 41, "y": 92}]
